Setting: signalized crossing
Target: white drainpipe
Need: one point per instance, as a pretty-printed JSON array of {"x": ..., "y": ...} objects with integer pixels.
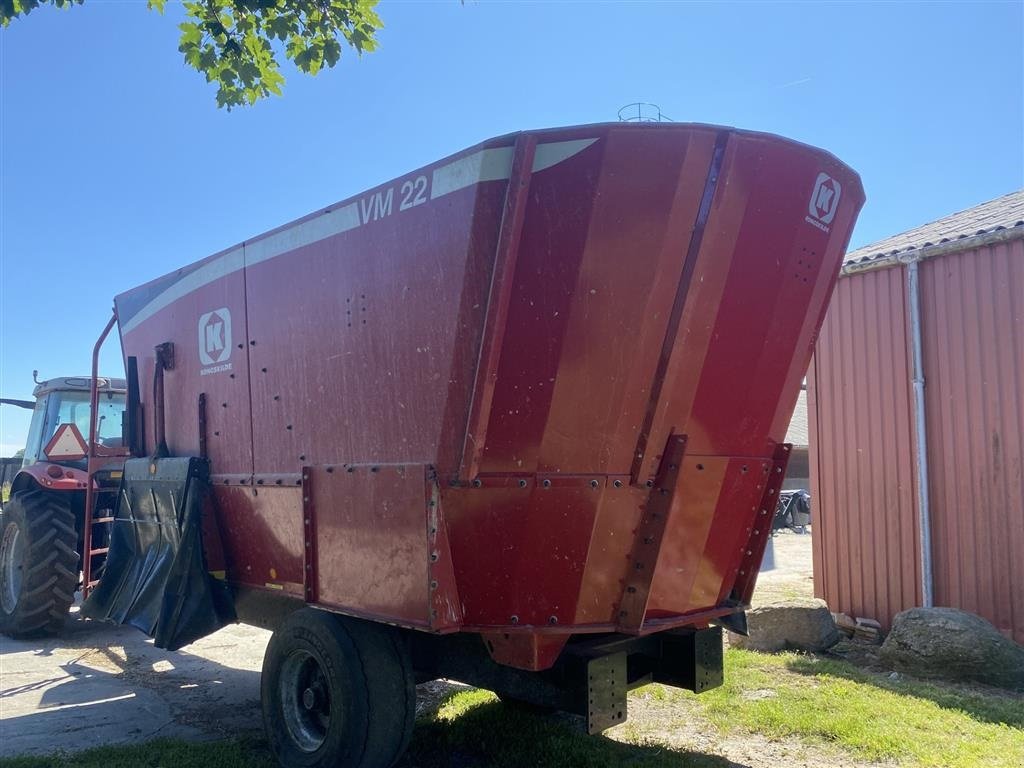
[{"x": 924, "y": 516}]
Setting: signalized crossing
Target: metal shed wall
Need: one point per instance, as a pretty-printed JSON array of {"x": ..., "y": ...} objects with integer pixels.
[
  {"x": 972, "y": 317},
  {"x": 866, "y": 543},
  {"x": 860, "y": 407}
]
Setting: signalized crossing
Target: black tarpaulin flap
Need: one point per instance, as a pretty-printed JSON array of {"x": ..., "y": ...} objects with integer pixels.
[{"x": 156, "y": 577}]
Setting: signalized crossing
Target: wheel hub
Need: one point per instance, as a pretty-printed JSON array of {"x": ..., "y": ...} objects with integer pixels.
[
  {"x": 305, "y": 700},
  {"x": 309, "y": 698},
  {"x": 12, "y": 559}
]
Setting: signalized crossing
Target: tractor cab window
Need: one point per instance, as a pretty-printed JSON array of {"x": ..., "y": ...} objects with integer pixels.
[
  {"x": 72, "y": 407},
  {"x": 111, "y": 417},
  {"x": 34, "y": 444}
]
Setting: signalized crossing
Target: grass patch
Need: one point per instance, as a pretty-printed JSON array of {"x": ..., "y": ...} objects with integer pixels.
[
  {"x": 911, "y": 722},
  {"x": 163, "y": 753}
]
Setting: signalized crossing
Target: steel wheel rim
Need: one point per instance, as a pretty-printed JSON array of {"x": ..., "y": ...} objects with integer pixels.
[
  {"x": 305, "y": 700},
  {"x": 12, "y": 558}
]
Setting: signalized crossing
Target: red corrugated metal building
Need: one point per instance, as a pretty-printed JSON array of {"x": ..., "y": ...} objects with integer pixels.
[{"x": 923, "y": 347}]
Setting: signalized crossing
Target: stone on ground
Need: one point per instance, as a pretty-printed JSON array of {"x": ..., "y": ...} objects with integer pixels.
[
  {"x": 802, "y": 624},
  {"x": 953, "y": 644}
]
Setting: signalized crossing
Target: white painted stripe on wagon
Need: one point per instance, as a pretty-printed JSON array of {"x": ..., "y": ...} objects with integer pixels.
[
  {"x": 555, "y": 152},
  {"x": 496, "y": 165},
  {"x": 486, "y": 165},
  {"x": 231, "y": 261},
  {"x": 319, "y": 228}
]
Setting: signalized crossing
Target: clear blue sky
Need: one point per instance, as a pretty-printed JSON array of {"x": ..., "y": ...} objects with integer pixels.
[{"x": 117, "y": 167}]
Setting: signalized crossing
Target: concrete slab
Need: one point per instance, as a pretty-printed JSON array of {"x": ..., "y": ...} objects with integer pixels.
[{"x": 99, "y": 684}]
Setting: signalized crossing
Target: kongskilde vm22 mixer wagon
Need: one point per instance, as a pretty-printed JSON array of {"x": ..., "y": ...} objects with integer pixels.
[{"x": 514, "y": 419}]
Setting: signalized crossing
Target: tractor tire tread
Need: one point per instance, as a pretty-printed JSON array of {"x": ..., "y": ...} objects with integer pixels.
[
  {"x": 42, "y": 589},
  {"x": 65, "y": 526},
  {"x": 42, "y": 566},
  {"x": 65, "y": 548},
  {"x": 38, "y": 609},
  {"x": 51, "y": 562}
]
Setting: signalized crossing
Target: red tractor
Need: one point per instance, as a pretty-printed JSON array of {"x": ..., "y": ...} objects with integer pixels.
[{"x": 41, "y": 530}]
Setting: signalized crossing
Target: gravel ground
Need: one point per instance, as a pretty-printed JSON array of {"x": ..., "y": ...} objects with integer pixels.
[{"x": 792, "y": 575}]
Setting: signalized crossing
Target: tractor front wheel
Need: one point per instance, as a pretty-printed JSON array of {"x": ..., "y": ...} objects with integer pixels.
[{"x": 38, "y": 563}]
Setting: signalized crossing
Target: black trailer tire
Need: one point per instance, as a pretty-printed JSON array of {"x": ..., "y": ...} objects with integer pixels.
[
  {"x": 337, "y": 692},
  {"x": 38, "y": 563}
]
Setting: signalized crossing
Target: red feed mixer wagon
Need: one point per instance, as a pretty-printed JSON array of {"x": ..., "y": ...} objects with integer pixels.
[{"x": 514, "y": 419}]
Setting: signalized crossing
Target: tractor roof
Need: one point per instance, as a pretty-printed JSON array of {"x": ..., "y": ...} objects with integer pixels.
[{"x": 78, "y": 384}]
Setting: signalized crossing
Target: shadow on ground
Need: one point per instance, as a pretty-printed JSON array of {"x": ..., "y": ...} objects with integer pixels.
[{"x": 486, "y": 733}]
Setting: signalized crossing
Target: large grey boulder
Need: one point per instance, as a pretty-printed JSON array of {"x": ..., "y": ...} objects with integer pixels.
[
  {"x": 803, "y": 624},
  {"x": 946, "y": 642}
]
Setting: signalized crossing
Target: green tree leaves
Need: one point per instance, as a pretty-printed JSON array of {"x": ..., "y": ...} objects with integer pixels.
[
  {"x": 235, "y": 44},
  {"x": 10, "y": 9}
]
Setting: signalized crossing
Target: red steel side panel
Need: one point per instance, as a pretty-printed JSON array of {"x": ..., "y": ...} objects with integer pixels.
[
  {"x": 860, "y": 402},
  {"x": 710, "y": 525},
  {"x": 365, "y": 343},
  {"x": 593, "y": 295},
  {"x": 262, "y": 536},
  {"x": 521, "y": 552},
  {"x": 371, "y": 528},
  {"x": 973, "y": 335}
]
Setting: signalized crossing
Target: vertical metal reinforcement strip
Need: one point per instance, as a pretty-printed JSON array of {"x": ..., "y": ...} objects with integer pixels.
[
  {"x": 499, "y": 297},
  {"x": 696, "y": 238}
]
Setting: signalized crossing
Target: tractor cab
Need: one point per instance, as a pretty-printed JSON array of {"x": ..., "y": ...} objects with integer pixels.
[{"x": 58, "y": 433}]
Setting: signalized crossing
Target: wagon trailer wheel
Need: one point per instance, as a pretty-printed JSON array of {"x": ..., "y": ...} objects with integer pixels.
[
  {"x": 337, "y": 692},
  {"x": 38, "y": 563}
]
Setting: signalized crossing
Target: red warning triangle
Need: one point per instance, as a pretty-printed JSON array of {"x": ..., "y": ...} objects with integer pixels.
[{"x": 67, "y": 444}]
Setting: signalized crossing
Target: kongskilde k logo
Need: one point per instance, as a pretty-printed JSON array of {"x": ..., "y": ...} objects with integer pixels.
[
  {"x": 215, "y": 337},
  {"x": 824, "y": 201}
]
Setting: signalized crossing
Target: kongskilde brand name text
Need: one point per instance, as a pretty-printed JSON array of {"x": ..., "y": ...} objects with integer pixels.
[{"x": 215, "y": 369}]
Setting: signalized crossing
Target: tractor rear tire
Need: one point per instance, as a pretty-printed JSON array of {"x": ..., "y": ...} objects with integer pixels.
[
  {"x": 337, "y": 692},
  {"x": 38, "y": 563}
]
